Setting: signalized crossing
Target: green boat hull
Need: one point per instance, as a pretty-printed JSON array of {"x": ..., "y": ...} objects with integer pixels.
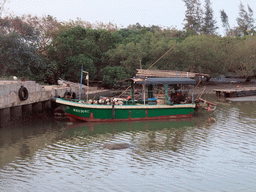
[{"x": 97, "y": 113}]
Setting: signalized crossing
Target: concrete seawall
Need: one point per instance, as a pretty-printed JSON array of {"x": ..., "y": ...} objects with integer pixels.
[{"x": 13, "y": 107}]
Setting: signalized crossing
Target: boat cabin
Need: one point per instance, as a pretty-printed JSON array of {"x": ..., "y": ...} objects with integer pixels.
[{"x": 158, "y": 90}]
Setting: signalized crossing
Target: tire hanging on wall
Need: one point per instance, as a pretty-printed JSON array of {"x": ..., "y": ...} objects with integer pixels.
[
  {"x": 69, "y": 95},
  {"x": 23, "y": 93},
  {"x": 73, "y": 95}
]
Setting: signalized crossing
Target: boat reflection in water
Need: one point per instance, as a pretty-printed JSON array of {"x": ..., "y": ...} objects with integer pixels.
[{"x": 146, "y": 135}]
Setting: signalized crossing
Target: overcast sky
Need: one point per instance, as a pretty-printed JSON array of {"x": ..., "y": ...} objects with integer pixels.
[{"x": 146, "y": 12}]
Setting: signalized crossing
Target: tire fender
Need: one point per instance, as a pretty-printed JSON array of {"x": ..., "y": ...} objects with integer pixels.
[
  {"x": 70, "y": 94},
  {"x": 23, "y": 93}
]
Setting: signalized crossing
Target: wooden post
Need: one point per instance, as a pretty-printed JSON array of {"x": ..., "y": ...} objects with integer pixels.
[
  {"x": 113, "y": 109},
  {"x": 150, "y": 91},
  {"x": 144, "y": 96}
]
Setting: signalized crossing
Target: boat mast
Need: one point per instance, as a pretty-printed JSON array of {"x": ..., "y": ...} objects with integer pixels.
[
  {"x": 87, "y": 79},
  {"x": 87, "y": 90},
  {"x": 144, "y": 97},
  {"x": 143, "y": 88},
  {"x": 81, "y": 79}
]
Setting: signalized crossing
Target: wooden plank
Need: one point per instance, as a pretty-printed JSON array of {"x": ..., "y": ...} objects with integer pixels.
[
  {"x": 167, "y": 73},
  {"x": 235, "y": 89}
]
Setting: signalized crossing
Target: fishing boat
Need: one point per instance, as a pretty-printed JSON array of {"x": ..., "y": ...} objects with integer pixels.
[{"x": 176, "y": 101}]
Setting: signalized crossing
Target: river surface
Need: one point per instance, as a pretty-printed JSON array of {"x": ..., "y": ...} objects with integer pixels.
[{"x": 213, "y": 151}]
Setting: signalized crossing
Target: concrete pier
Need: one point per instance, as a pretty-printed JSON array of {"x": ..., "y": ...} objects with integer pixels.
[
  {"x": 37, "y": 108},
  {"x": 27, "y": 98},
  {"x": 15, "y": 113},
  {"x": 46, "y": 105},
  {"x": 26, "y": 110},
  {"x": 5, "y": 117}
]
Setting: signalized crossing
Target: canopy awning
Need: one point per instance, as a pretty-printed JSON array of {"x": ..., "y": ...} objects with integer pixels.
[{"x": 164, "y": 81}]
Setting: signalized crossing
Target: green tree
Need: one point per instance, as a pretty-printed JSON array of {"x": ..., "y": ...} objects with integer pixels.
[
  {"x": 23, "y": 29},
  {"x": 209, "y": 23},
  {"x": 203, "y": 53},
  {"x": 158, "y": 46},
  {"x": 242, "y": 56},
  {"x": 193, "y": 16},
  {"x": 128, "y": 56},
  {"x": 113, "y": 75},
  {"x": 18, "y": 58},
  {"x": 76, "y": 61},
  {"x": 125, "y": 36},
  {"x": 224, "y": 19},
  {"x": 19, "y": 48},
  {"x": 77, "y": 46},
  {"x": 69, "y": 50},
  {"x": 245, "y": 21}
]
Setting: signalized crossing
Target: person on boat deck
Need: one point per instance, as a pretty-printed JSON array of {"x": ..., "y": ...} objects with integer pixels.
[
  {"x": 176, "y": 88},
  {"x": 176, "y": 97}
]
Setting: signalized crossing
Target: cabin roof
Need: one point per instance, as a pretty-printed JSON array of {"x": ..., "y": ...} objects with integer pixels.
[{"x": 163, "y": 81}]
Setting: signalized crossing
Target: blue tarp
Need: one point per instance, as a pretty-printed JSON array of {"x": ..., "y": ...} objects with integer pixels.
[{"x": 164, "y": 81}]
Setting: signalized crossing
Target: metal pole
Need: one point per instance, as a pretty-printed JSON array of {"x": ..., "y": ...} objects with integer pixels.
[
  {"x": 144, "y": 97},
  {"x": 193, "y": 94},
  {"x": 80, "y": 90},
  {"x": 87, "y": 93}
]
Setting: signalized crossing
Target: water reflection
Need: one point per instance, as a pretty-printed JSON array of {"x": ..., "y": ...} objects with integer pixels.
[
  {"x": 172, "y": 155},
  {"x": 24, "y": 140}
]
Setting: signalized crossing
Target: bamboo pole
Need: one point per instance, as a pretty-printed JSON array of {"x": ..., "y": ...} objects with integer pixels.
[
  {"x": 124, "y": 91},
  {"x": 161, "y": 57}
]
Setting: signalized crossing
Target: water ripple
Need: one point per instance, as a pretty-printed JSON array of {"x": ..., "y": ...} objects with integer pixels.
[{"x": 164, "y": 156}]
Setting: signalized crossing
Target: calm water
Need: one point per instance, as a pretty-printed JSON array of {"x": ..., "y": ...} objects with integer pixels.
[{"x": 209, "y": 152}]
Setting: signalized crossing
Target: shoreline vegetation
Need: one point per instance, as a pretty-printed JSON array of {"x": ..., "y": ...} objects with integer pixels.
[{"x": 44, "y": 49}]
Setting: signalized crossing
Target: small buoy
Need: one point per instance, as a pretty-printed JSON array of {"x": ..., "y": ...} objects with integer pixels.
[
  {"x": 15, "y": 78},
  {"x": 120, "y": 103},
  {"x": 101, "y": 101}
]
